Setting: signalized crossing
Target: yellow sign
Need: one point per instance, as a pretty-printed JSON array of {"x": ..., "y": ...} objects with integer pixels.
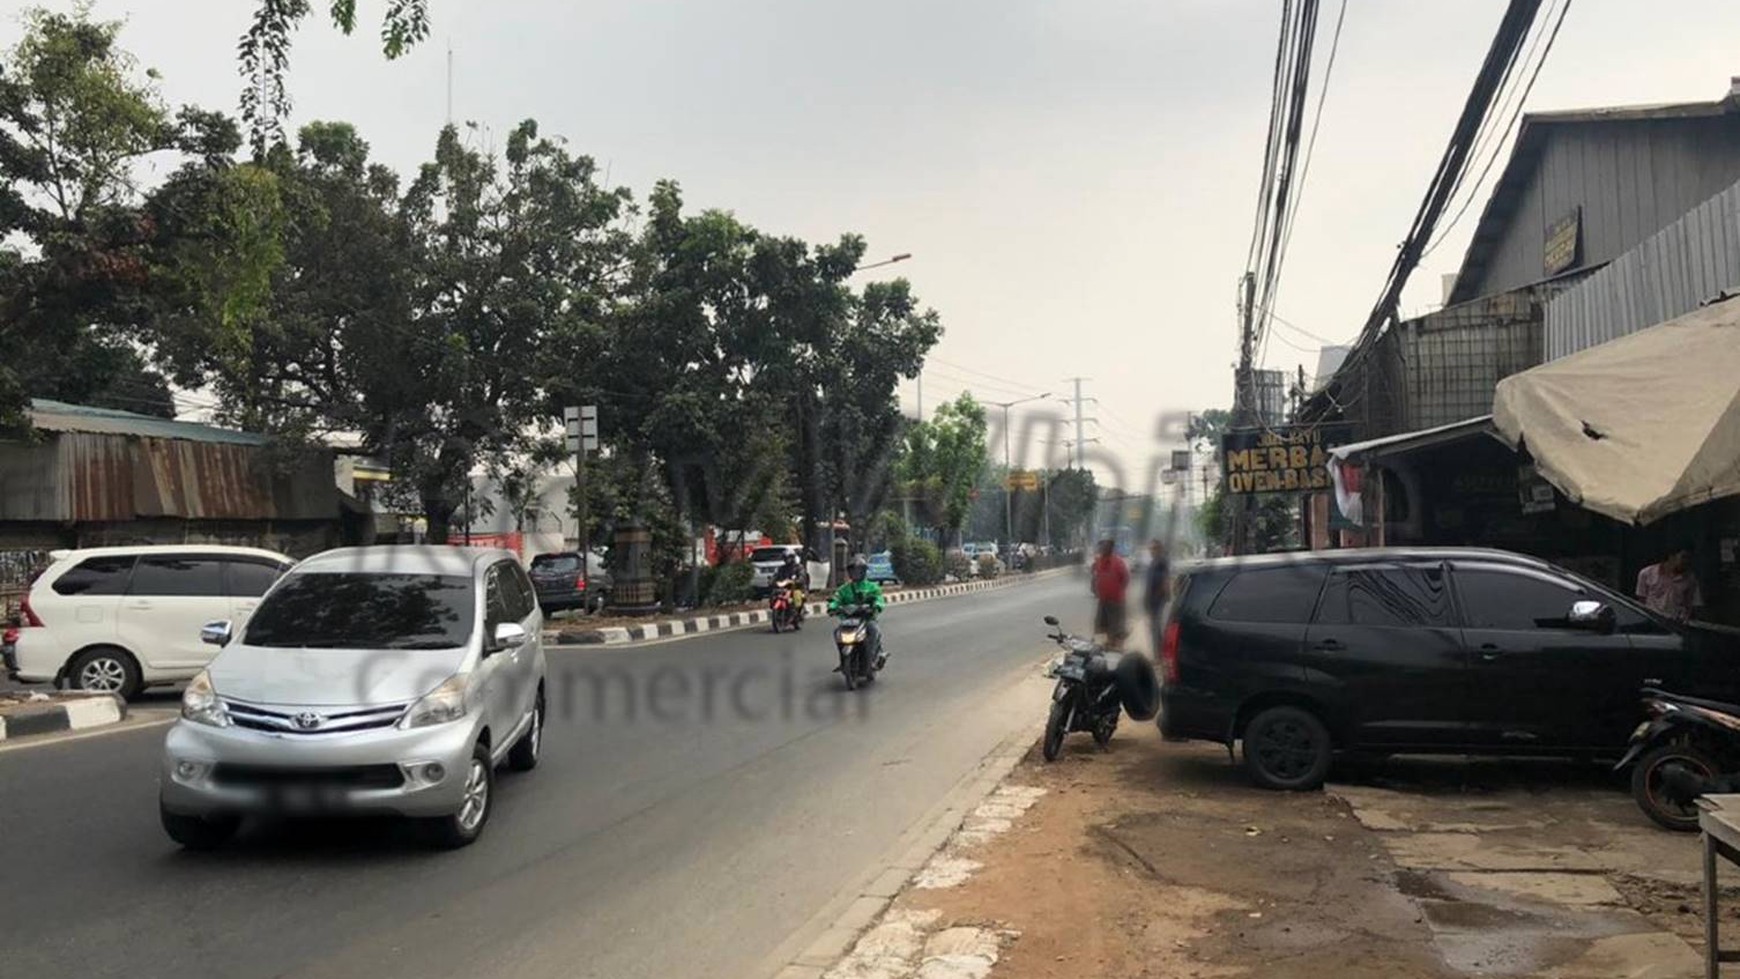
[
  {"x": 1021, "y": 481},
  {"x": 1281, "y": 460}
]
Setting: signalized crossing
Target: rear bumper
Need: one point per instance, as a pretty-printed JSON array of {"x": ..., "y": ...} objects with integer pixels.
[
  {"x": 1187, "y": 715},
  {"x": 35, "y": 657}
]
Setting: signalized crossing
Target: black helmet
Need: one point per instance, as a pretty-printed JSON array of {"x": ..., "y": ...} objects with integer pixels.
[{"x": 858, "y": 567}]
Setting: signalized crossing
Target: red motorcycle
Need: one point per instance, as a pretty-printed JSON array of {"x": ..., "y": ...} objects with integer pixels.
[{"x": 786, "y": 607}]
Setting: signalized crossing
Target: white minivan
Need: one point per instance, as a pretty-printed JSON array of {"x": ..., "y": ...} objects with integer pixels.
[{"x": 118, "y": 619}]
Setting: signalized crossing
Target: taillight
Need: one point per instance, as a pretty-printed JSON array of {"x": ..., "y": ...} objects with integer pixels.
[
  {"x": 30, "y": 616},
  {"x": 1169, "y": 653},
  {"x": 580, "y": 583}
]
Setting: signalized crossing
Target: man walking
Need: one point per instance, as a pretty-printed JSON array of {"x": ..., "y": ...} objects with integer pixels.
[
  {"x": 1111, "y": 581},
  {"x": 1668, "y": 588},
  {"x": 1158, "y": 590}
]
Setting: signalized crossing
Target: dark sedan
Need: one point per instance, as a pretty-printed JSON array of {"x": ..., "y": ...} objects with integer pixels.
[{"x": 561, "y": 585}]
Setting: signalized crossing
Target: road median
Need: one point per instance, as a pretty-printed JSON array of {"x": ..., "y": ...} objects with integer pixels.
[
  {"x": 27, "y": 714},
  {"x": 697, "y": 623}
]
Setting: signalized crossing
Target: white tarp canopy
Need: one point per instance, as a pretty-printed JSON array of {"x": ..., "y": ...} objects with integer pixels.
[{"x": 1638, "y": 427}]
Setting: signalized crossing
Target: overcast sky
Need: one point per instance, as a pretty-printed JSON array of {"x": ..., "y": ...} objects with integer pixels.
[{"x": 1075, "y": 179}]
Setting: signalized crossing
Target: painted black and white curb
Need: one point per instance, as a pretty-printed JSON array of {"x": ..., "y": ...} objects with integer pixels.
[
  {"x": 670, "y": 628},
  {"x": 56, "y": 714}
]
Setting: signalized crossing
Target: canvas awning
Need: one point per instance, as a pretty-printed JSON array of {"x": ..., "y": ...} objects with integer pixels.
[
  {"x": 1404, "y": 442},
  {"x": 1638, "y": 427}
]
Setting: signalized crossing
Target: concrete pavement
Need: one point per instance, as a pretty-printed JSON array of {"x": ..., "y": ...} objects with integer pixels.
[{"x": 698, "y": 803}]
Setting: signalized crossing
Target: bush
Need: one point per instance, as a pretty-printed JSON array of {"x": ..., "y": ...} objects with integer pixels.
[
  {"x": 958, "y": 564},
  {"x": 988, "y": 566},
  {"x": 916, "y": 561},
  {"x": 732, "y": 584}
]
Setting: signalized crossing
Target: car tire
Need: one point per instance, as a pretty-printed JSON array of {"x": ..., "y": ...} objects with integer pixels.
[
  {"x": 1287, "y": 749},
  {"x": 463, "y": 827},
  {"x": 1645, "y": 785},
  {"x": 105, "y": 669},
  {"x": 523, "y": 757},
  {"x": 198, "y": 832}
]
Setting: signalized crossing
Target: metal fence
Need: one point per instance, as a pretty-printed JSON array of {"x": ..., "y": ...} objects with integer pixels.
[{"x": 1691, "y": 261}]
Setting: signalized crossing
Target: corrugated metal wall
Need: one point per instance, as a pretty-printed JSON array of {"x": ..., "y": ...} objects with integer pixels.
[
  {"x": 1694, "y": 259},
  {"x": 1631, "y": 178}
]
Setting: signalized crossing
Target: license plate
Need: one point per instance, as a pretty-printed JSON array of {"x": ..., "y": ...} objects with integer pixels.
[
  {"x": 850, "y": 623},
  {"x": 306, "y": 798}
]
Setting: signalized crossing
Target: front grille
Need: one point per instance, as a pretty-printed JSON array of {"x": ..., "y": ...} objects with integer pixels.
[
  {"x": 285, "y": 720},
  {"x": 345, "y": 776}
]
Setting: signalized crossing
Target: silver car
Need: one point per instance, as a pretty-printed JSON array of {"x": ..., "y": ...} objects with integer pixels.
[{"x": 369, "y": 680}]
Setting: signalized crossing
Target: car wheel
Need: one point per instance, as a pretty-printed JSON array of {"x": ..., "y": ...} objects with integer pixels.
[
  {"x": 1648, "y": 785},
  {"x": 463, "y": 827},
  {"x": 105, "y": 669},
  {"x": 198, "y": 832},
  {"x": 1287, "y": 748},
  {"x": 523, "y": 757}
]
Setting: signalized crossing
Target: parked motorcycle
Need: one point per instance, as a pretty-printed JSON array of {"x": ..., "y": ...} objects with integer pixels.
[
  {"x": 1093, "y": 689},
  {"x": 785, "y": 608},
  {"x": 852, "y": 639},
  {"x": 1687, "y": 748}
]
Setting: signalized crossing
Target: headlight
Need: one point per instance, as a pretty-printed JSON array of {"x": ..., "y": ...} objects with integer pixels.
[
  {"x": 444, "y": 703},
  {"x": 200, "y": 703}
]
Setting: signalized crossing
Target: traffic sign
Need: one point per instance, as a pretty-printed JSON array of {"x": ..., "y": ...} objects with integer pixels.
[
  {"x": 1022, "y": 481},
  {"x": 581, "y": 425}
]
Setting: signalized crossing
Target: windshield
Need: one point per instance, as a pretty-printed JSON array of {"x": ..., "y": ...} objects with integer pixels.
[
  {"x": 762, "y": 555},
  {"x": 365, "y": 611},
  {"x": 556, "y": 564}
]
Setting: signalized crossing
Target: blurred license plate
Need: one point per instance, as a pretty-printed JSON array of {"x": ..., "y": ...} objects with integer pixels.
[
  {"x": 850, "y": 623},
  {"x": 306, "y": 797}
]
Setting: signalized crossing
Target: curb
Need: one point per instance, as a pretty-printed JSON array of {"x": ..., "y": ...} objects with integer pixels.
[
  {"x": 928, "y": 837},
  {"x": 55, "y": 716},
  {"x": 670, "y": 628}
]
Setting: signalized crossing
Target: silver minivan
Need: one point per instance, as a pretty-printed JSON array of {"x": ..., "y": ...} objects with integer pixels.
[{"x": 369, "y": 680}]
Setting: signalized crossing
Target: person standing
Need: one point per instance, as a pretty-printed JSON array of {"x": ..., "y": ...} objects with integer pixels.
[
  {"x": 1111, "y": 583},
  {"x": 1668, "y": 588},
  {"x": 1157, "y": 590}
]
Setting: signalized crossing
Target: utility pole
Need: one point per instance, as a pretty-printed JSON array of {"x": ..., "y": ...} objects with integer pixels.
[
  {"x": 581, "y": 425},
  {"x": 1008, "y": 473},
  {"x": 1243, "y": 410},
  {"x": 920, "y": 380},
  {"x": 1081, "y": 438}
]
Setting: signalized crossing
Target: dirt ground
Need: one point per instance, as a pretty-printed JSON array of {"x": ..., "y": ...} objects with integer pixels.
[{"x": 1161, "y": 860}]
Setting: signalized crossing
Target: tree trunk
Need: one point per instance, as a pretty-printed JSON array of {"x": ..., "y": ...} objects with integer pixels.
[{"x": 439, "y": 515}]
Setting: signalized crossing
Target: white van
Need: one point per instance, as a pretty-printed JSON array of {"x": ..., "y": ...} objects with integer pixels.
[{"x": 118, "y": 619}]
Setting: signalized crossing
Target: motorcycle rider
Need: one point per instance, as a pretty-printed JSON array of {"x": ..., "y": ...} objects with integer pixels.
[
  {"x": 792, "y": 570},
  {"x": 860, "y": 590}
]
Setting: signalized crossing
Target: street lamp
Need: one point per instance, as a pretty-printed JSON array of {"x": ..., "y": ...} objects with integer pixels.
[
  {"x": 1008, "y": 494},
  {"x": 903, "y": 256}
]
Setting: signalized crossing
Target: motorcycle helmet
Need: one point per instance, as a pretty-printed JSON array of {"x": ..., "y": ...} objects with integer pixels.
[{"x": 858, "y": 568}]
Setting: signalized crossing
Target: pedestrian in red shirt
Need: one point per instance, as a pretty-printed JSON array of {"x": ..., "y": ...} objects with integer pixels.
[{"x": 1111, "y": 582}]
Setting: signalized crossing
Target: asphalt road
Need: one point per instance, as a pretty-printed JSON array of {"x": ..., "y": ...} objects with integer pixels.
[{"x": 698, "y": 801}]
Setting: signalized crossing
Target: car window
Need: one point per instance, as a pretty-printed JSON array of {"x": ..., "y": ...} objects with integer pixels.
[
  {"x": 516, "y": 596},
  {"x": 1509, "y": 600},
  {"x": 177, "y": 577},
  {"x": 1386, "y": 597},
  {"x": 250, "y": 579},
  {"x": 556, "y": 564},
  {"x": 1284, "y": 594},
  {"x": 96, "y": 576},
  {"x": 764, "y": 554},
  {"x": 495, "y": 605},
  {"x": 353, "y": 610}
]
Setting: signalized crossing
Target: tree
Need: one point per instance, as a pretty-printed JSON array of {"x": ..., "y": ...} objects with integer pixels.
[
  {"x": 1074, "y": 495},
  {"x": 76, "y": 115},
  {"x": 1208, "y": 426},
  {"x": 264, "y": 50},
  {"x": 944, "y": 459}
]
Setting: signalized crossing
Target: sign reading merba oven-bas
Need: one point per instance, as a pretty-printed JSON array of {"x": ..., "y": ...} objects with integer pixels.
[{"x": 1284, "y": 459}]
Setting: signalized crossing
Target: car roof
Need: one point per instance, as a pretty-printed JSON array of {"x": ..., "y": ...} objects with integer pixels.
[
  {"x": 1364, "y": 555},
  {"x": 431, "y": 559},
  {"x": 145, "y": 550}
]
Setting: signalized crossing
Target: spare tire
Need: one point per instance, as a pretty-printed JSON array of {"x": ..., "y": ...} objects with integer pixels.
[{"x": 1138, "y": 687}]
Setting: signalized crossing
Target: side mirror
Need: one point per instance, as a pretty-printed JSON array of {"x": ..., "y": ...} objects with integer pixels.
[
  {"x": 215, "y": 633},
  {"x": 508, "y": 635},
  {"x": 1591, "y": 615},
  {"x": 1051, "y": 620}
]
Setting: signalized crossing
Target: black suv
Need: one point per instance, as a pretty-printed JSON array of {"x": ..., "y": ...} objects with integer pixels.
[
  {"x": 1394, "y": 651},
  {"x": 562, "y": 586}
]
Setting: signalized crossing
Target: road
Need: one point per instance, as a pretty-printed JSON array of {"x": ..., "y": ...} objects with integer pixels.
[{"x": 690, "y": 839}]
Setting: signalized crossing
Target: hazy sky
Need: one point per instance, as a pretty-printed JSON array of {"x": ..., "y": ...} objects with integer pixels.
[{"x": 1075, "y": 179}]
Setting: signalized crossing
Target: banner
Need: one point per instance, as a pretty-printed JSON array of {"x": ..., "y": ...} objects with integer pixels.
[{"x": 1284, "y": 459}]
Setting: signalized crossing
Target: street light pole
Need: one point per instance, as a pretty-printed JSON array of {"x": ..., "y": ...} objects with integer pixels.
[
  {"x": 903, "y": 256},
  {"x": 1008, "y": 491}
]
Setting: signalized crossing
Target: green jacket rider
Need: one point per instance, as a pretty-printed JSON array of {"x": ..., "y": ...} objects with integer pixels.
[{"x": 860, "y": 590}]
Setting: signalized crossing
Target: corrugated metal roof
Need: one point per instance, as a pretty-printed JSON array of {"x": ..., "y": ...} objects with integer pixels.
[
  {"x": 58, "y": 416},
  {"x": 1531, "y": 138}
]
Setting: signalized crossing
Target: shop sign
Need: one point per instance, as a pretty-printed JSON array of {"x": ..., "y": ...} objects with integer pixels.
[
  {"x": 1562, "y": 242},
  {"x": 1283, "y": 459}
]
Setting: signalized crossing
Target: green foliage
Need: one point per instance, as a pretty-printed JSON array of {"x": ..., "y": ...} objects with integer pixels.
[
  {"x": 944, "y": 460},
  {"x": 732, "y": 584},
  {"x": 1074, "y": 496},
  {"x": 916, "y": 561},
  {"x": 1274, "y": 522}
]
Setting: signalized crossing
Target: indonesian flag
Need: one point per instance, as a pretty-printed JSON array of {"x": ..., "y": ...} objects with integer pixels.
[{"x": 1348, "y": 479}]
